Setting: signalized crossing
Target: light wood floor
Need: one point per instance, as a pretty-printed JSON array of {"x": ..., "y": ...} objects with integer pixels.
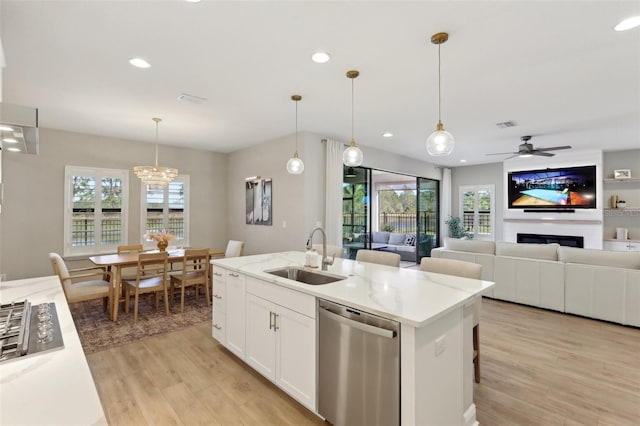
[{"x": 538, "y": 368}]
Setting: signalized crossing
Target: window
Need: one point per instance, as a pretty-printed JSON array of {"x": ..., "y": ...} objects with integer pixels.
[
  {"x": 167, "y": 209},
  {"x": 95, "y": 215},
  {"x": 477, "y": 204}
]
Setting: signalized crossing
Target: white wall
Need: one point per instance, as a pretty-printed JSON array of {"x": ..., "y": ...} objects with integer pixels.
[
  {"x": 297, "y": 200},
  {"x": 32, "y": 214}
]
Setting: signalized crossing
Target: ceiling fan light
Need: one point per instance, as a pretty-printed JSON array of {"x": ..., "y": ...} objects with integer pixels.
[{"x": 525, "y": 155}]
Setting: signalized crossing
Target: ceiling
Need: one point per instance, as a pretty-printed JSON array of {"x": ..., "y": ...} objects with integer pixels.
[{"x": 555, "y": 68}]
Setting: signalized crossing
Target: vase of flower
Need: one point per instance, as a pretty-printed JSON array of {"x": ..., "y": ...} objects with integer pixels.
[
  {"x": 162, "y": 245},
  {"x": 161, "y": 238}
]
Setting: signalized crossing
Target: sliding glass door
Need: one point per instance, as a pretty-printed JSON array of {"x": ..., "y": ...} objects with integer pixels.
[
  {"x": 427, "y": 217},
  {"x": 356, "y": 209}
]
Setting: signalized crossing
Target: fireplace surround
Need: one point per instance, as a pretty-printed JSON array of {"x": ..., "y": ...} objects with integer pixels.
[{"x": 563, "y": 240}]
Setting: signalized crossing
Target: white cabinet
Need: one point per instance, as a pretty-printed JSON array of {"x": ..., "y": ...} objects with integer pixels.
[
  {"x": 219, "y": 305},
  {"x": 235, "y": 319},
  {"x": 281, "y": 338},
  {"x": 630, "y": 245}
]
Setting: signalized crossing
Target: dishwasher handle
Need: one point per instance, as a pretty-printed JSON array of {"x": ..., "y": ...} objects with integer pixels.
[{"x": 382, "y": 332}]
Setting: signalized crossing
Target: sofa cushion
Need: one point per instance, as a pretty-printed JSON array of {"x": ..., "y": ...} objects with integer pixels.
[
  {"x": 473, "y": 246},
  {"x": 532, "y": 251},
  {"x": 381, "y": 237},
  {"x": 614, "y": 259},
  {"x": 396, "y": 239},
  {"x": 410, "y": 239}
]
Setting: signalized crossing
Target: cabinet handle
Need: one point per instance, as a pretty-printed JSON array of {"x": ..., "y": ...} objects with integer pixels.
[
  {"x": 270, "y": 320},
  {"x": 217, "y": 297},
  {"x": 275, "y": 322},
  {"x": 234, "y": 275},
  {"x": 217, "y": 327},
  {"x": 217, "y": 274}
]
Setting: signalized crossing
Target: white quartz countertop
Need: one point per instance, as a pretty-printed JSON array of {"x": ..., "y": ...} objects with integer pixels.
[
  {"x": 409, "y": 296},
  {"x": 49, "y": 388}
]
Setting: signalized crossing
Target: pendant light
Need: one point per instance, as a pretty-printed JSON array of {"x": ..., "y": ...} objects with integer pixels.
[
  {"x": 295, "y": 166},
  {"x": 156, "y": 177},
  {"x": 440, "y": 142},
  {"x": 352, "y": 156}
]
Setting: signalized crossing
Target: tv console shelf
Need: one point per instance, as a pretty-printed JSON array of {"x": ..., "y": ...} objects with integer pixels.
[{"x": 625, "y": 217}]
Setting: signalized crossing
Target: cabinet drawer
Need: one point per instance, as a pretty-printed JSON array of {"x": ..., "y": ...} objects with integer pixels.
[
  {"x": 218, "y": 274},
  {"x": 219, "y": 329},
  {"x": 294, "y": 300}
]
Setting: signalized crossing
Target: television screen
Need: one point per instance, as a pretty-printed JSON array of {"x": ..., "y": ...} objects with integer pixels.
[{"x": 569, "y": 187}]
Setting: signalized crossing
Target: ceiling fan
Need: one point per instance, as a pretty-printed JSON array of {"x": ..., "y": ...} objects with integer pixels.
[{"x": 527, "y": 150}]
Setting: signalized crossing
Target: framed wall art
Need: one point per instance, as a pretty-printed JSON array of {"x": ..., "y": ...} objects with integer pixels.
[
  {"x": 258, "y": 201},
  {"x": 622, "y": 174}
]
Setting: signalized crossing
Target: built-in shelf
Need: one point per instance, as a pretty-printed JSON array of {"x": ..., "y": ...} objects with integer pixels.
[
  {"x": 621, "y": 241},
  {"x": 622, "y": 180},
  {"x": 553, "y": 220},
  {"x": 622, "y": 212}
]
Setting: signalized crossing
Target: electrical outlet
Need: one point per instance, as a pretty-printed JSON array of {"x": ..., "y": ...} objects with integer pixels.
[
  {"x": 441, "y": 344},
  {"x": 3, "y": 277}
]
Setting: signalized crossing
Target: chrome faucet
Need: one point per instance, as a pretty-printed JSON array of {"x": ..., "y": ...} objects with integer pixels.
[{"x": 325, "y": 260}]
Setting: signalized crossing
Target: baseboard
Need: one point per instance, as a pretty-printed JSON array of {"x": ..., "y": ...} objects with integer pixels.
[{"x": 469, "y": 416}]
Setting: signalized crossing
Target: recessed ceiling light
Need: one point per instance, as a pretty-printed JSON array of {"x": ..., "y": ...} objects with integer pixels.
[
  {"x": 9, "y": 140},
  {"x": 193, "y": 1},
  {"x": 6, "y": 128},
  {"x": 139, "y": 63},
  {"x": 14, "y": 149},
  {"x": 628, "y": 24},
  {"x": 463, "y": 161},
  {"x": 320, "y": 57},
  {"x": 387, "y": 134}
]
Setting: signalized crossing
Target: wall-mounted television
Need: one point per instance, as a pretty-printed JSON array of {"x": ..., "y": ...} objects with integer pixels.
[{"x": 555, "y": 188}]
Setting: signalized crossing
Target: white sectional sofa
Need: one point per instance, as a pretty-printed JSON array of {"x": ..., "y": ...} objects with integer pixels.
[{"x": 593, "y": 283}]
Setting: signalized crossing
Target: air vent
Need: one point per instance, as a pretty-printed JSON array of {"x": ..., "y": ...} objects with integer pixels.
[
  {"x": 506, "y": 124},
  {"x": 191, "y": 98}
]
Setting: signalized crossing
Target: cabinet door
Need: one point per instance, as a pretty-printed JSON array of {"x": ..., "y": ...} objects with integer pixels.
[
  {"x": 261, "y": 336},
  {"x": 235, "y": 293},
  {"x": 296, "y": 355}
]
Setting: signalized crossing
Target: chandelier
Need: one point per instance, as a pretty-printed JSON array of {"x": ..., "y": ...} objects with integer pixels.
[
  {"x": 440, "y": 142},
  {"x": 155, "y": 177}
]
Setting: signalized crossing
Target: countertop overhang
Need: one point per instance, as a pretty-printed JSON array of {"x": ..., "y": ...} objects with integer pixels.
[{"x": 410, "y": 296}]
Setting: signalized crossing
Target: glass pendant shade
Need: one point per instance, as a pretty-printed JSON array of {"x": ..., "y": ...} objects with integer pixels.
[
  {"x": 352, "y": 156},
  {"x": 440, "y": 142},
  {"x": 295, "y": 166},
  {"x": 155, "y": 177}
]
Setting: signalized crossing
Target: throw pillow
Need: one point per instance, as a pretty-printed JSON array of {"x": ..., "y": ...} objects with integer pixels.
[
  {"x": 396, "y": 239},
  {"x": 410, "y": 240}
]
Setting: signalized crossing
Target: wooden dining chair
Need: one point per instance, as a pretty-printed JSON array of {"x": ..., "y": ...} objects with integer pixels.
[
  {"x": 83, "y": 283},
  {"x": 379, "y": 257},
  {"x": 151, "y": 277},
  {"x": 195, "y": 272},
  {"x": 464, "y": 269}
]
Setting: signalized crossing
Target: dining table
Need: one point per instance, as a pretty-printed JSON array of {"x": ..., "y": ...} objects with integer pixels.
[{"x": 116, "y": 262}]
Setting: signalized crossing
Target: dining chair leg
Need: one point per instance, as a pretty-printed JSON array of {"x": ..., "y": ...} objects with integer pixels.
[
  {"x": 135, "y": 307},
  {"x": 166, "y": 301},
  {"x": 127, "y": 295},
  {"x": 182, "y": 298}
]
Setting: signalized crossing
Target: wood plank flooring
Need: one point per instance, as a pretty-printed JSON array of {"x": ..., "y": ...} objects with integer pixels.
[{"x": 538, "y": 368}]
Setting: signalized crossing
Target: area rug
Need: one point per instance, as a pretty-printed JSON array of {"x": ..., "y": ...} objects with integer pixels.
[{"x": 97, "y": 332}]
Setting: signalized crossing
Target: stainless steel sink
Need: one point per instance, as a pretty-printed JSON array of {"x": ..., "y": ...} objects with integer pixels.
[{"x": 305, "y": 276}]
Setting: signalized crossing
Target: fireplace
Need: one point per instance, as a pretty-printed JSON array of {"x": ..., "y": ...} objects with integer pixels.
[{"x": 563, "y": 240}]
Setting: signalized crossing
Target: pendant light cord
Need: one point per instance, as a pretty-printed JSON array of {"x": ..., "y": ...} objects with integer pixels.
[
  {"x": 352, "y": 111},
  {"x": 296, "y": 127},
  {"x": 156, "y": 144},
  {"x": 439, "y": 84}
]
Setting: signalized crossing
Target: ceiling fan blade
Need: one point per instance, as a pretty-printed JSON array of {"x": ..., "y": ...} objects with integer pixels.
[
  {"x": 555, "y": 148},
  {"x": 542, "y": 153},
  {"x": 502, "y": 153},
  {"x": 512, "y": 156}
]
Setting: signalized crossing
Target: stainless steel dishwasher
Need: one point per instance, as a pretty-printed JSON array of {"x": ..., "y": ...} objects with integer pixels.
[{"x": 359, "y": 367}]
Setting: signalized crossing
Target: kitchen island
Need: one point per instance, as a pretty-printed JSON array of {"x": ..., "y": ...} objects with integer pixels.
[
  {"x": 434, "y": 312},
  {"x": 48, "y": 388}
]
